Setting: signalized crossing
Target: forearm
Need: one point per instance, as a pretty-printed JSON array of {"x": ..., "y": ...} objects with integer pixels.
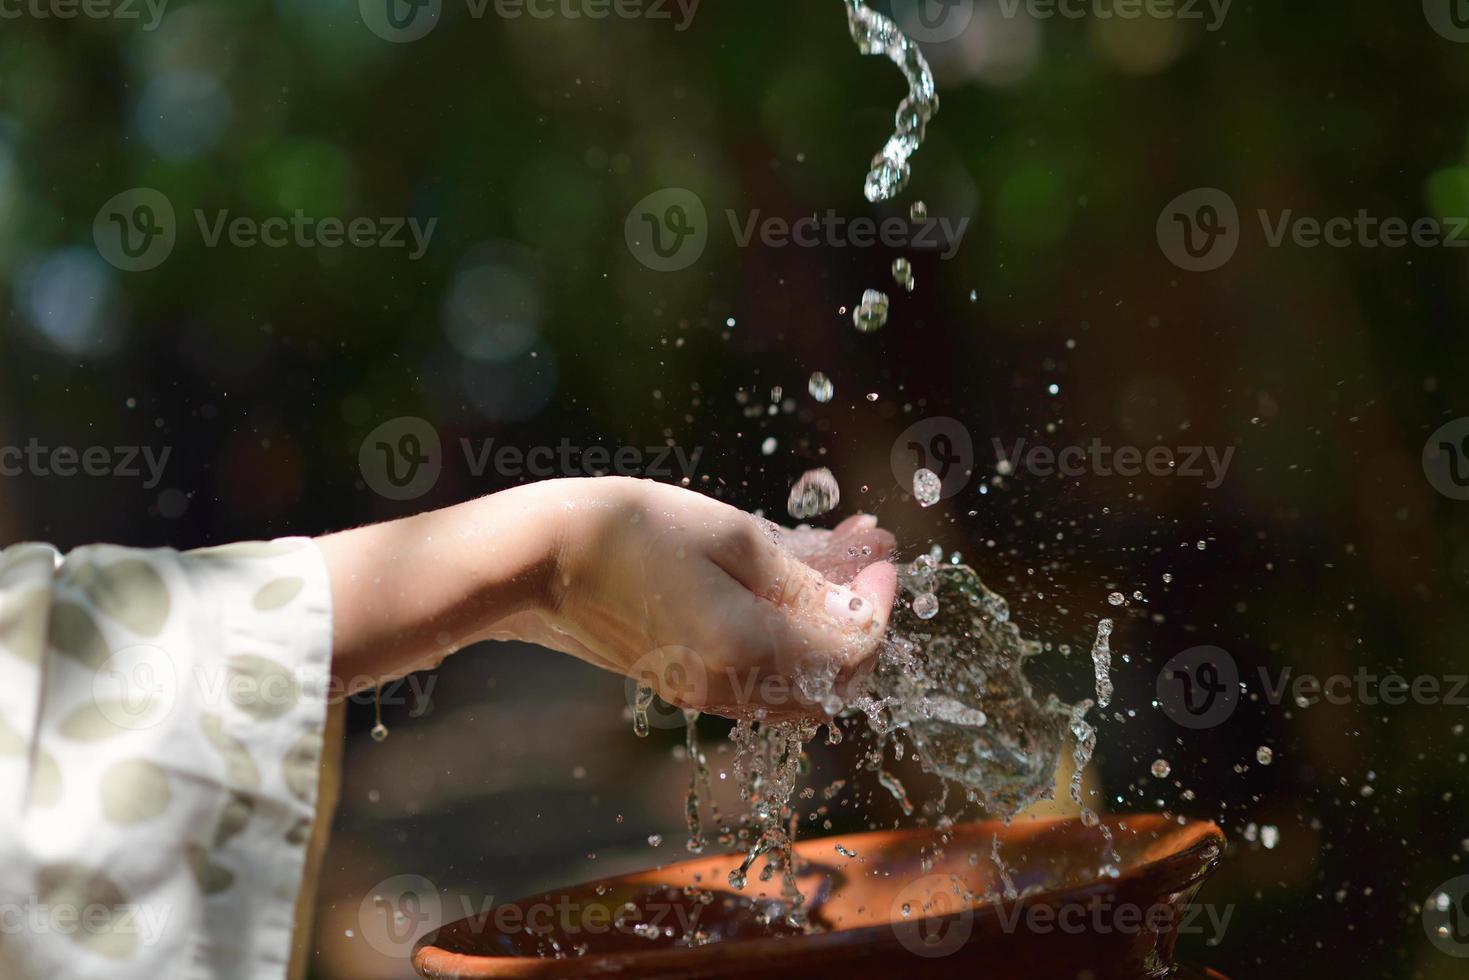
[{"x": 409, "y": 592}]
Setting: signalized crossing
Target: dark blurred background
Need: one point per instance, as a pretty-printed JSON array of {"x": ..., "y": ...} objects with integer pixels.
[{"x": 529, "y": 320}]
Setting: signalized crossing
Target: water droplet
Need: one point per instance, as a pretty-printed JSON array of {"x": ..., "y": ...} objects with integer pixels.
[
  {"x": 871, "y": 315},
  {"x": 928, "y": 489},
  {"x": 1161, "y": 769},
  {"x": 974, "y": 296},
  {"x": 919, "y": 211},
  {"x": 767, "y": 448},
  {"x": 903, "y": 274},
  {"x": 1116, "y": 598},
  {"x": 815, "y": 493},
  {"x": 1264, "y": 755},
  {"x": 926, "y": 606},
  {"x": 1269, "y": 836},
  {"x": 821, "y": 387},
  {"x": 379, "y": 732},
  {"x": 640, "y": 707},
  {"x": 655, "y": 840}
]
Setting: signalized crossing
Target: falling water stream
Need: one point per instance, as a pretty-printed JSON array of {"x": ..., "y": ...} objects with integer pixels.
[
  {"x": 878, "y": 35},
  {"x": 949, "y": 679}
]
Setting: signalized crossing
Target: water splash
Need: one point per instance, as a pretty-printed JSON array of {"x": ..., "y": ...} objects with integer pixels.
[
  {"x": 878, "y": 35},
  {"x": 1102, "y": 662},
  {"x": 955, "y": 683}
]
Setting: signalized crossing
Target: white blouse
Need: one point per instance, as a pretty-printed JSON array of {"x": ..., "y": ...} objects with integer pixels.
[{"x": 162, "y": 723}]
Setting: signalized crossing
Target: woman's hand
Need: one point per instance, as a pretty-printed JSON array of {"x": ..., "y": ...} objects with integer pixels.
[{"x": 709, "y": 606}]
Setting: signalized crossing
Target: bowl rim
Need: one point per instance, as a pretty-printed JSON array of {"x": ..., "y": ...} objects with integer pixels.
[{"x": 1187, "y": 865}]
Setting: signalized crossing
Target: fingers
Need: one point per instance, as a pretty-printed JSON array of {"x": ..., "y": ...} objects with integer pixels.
[
  {"x": 797, "y": 624},
  {"x": 842, "y": 553},
  {"x": 848, "y": 556},
  {"x": 855, "y": 523}
]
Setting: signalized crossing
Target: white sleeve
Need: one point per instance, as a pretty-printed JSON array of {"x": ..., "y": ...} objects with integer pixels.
[{"x": 161, "y": 731}]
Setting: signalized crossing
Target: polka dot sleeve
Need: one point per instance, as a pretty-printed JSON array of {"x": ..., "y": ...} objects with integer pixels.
[{"x": 162, "y": 723}]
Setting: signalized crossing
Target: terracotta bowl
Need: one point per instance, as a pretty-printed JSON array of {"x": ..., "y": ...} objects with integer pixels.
[{"x": 881, "y": 914}]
